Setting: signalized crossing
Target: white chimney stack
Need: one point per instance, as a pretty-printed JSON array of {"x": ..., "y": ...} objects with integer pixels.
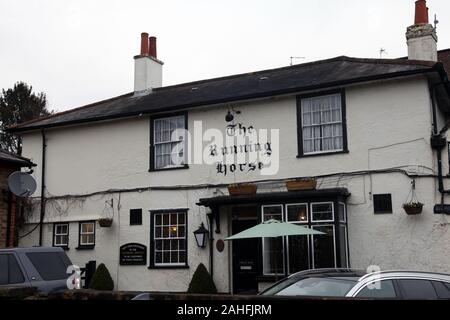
[
  {"x": 421, "y": 37},
  {"x": 147, "y": 68}
]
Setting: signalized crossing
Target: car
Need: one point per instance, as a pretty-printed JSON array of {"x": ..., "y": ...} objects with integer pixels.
[
  {"x": 351, "y": 283},
  {"x": 44, "y": 268}
]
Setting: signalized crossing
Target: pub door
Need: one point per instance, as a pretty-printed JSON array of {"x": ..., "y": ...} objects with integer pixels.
[{"x": 245, "y": 258}]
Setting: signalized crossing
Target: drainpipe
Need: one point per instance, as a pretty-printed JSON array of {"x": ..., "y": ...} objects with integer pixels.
[
  {"x": 42, "y": 213},
  {"x": 211, "y": 243},
  {"x": 437, "y": 142}
]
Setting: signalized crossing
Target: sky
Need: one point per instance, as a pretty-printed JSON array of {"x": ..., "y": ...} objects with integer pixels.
[{"x": 81, "y": 51}]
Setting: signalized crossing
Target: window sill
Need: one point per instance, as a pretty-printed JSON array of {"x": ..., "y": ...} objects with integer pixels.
[
  {"x": 321, "y": 154},
  {"x": 90, "y": 247},
  {"x": 169, "y": 267},
  {"x": 168, "y": 169}
]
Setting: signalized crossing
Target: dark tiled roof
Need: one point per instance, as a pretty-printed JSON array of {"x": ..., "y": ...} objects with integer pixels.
[
  {"x": 10, "y": 158},
  {"x": 444, "y": 57},
  {"x": 309, "y": 76}
]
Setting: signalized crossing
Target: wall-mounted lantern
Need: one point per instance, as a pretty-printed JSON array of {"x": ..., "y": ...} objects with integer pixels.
[{"x": 200, "y": 236}]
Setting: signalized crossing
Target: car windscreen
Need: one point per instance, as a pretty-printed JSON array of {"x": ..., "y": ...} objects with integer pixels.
[
  {"x": 50, "y": 265},
  {"x": 313, "y": 286}
]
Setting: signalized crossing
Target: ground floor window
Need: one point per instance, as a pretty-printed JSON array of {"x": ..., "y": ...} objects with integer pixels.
[
  {"x": 295, "y": 253},
  {"x": 61, "y": 235},
  {"x": 168, "y": 238},
  {"x": 86, "y": 234}
]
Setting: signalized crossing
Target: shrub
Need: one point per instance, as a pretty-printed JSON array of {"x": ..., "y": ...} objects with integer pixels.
[
  {"x": 202, "y": 282},
  {"x": 101, "y": 280}
]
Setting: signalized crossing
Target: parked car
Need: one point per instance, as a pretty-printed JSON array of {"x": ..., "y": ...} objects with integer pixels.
[
  {"x": 359, "y": 284},
  {"x": 39, "y": 267}
]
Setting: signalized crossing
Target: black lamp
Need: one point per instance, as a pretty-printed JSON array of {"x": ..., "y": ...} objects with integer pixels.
[
  {"x": 200, "y": 236},
  {"x": 229, "y": 117}
]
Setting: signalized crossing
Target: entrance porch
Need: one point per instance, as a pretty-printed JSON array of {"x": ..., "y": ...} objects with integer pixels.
[{"x": 257, "y": 263}]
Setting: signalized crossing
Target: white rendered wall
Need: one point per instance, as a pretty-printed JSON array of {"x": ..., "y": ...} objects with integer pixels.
[{"x": 388, "y": 125}]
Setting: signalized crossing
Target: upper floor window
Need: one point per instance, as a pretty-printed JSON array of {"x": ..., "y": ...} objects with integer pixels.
[
  {"x": 168, "y": 142},
  {"x": 321, "y": 124}
]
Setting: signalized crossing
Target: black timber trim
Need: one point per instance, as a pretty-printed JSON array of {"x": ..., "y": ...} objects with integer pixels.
[
  {"x": 438, "y": 67},
  {"x": 152, "y": 146},
  {"x": 275, "y": 196},
  {"x": 151, "y": 246},
  {"x": 300, "y": 152},
  {"x": 86, "y": 246}
]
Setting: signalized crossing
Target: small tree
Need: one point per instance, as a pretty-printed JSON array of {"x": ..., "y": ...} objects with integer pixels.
[
  {"x": 101, "y": 280},
  {"x": 18, "y": 105},
  {"x": 202, "y": 281}
]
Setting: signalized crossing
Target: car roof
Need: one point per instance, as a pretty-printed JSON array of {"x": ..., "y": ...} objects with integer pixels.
[
  {"x": 32, "y": 249},
  {"x": 406, "y": 273},
  {"x": 331, "y": 272}
]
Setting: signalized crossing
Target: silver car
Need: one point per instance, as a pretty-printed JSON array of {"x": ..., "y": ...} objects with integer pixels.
[
  {"x": 38, "y": 267},
  {"x": 359, "y": 284}
]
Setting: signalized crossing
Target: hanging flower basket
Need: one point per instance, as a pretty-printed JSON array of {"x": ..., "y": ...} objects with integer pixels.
[
  {"x": 301, "y": 184},
  {"x": 242, "y": 189},
  {"x": 413, "y": 208},
  {"x": 105, "y": 222}
]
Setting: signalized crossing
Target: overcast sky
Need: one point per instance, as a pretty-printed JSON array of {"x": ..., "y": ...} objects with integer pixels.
[{"x": 81, "y": 51}]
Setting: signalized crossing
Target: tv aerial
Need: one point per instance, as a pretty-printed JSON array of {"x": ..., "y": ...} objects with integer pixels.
[
  {"x": 22, "y": 184},
  {"x": 292, "y": 59}
]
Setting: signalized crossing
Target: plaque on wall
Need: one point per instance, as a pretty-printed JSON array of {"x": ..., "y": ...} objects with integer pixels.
[
  {"x": 220, "y": 245},
  {"x": 133, "y": 254}
]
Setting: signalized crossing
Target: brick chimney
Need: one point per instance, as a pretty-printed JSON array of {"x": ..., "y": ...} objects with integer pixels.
[
  {"x": 147, "y": 68},
  {"x": 421, "y": 36}
]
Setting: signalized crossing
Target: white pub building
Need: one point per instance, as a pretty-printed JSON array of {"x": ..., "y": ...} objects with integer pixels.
[{"x": 356, "y": 148}]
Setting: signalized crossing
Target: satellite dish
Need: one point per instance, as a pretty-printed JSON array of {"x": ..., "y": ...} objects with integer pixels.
[{"x": 22, "y": 184}]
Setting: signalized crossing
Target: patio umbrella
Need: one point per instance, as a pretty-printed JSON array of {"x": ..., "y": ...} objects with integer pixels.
[{"x": 273, "y": 229}]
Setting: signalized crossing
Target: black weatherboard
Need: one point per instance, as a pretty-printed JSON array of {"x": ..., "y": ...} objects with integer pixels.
[
  {"x": 135, "y": 217},
  {"x": 382, "y": 203}
]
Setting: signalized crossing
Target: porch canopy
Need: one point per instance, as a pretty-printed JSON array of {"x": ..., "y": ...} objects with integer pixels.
[{"x": 214, "y": 203}]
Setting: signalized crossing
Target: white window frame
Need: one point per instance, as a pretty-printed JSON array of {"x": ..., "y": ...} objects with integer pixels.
[
  {"x": 297, "y": 223},
  {"x": 169, "y": 142},
  {"x": 87, "y": 233},
  {"x": 282, "y": 239},
  {"x": 321, "y": 126},
  {"x": 347, "y": 258},
  {"x": 334, "y": 243},
  {"x": 345, "y": 212},
  {"x": 321, "y": 221},
  {"x": 169, "y": 264},
  {"x": 56, "y": 234}
]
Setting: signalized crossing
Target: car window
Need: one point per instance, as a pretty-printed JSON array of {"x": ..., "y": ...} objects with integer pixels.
[
  {"x": 3, "y": 269},
  {"x": 417, "y": 289},
  {"x": 442, "y": 290},
  {"x": 10, "y": 272},
  {"x": 329, "y": 287},
  {"x": 50, "y": 265},
  {"x": 380, "y": 289},
  {"x": 15, "y": 274}
]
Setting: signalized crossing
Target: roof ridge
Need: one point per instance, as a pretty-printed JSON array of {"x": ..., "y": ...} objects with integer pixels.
[
  {"x": 301, "y": 65},
  {"x": 250, "y": 73}
]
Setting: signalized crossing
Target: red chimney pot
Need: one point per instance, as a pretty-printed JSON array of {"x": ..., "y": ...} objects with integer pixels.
[
  {"x": 421, "y": 12},
  {"x": 152, "y": 49},
  {"x": 144, "y": 44}
]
